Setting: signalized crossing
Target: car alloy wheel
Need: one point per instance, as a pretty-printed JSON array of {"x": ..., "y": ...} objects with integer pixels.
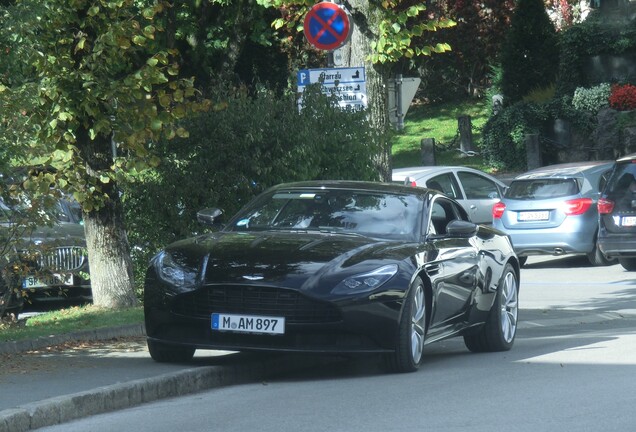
[
  {"x": 411, "y": 332},
  {"x": 509, "y": 307},
  {"x": 418, "y": 326},
  {"x": 500, "y": 329}
]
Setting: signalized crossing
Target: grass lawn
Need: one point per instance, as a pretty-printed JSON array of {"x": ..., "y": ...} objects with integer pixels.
[
  {"x": 439, "y": 121},
  {"x": 69, "y": 320}
]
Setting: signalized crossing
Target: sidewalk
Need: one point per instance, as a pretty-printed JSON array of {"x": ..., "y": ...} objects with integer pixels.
[{"x": 58, "y": 379}]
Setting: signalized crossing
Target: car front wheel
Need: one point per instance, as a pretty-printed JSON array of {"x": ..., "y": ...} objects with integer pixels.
[
  {"x": 498, "y": 333},
  {"x": 411, "y": 332},
  {"x": 168, "y": 353}
]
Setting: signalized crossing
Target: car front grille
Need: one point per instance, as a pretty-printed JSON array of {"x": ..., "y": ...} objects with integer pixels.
[
  {"x": 255, "y": 300},
  {"x": 66, "y": 258}
]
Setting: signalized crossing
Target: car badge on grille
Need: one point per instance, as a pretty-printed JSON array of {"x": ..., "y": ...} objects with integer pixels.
[{"x": 253, "y": 277}]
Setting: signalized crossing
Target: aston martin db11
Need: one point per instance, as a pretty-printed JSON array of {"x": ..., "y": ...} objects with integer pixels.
[{"x": 335, "y": 267}]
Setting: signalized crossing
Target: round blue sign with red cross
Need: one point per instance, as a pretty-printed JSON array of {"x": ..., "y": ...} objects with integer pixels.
[{"x": 327, "y": 26}]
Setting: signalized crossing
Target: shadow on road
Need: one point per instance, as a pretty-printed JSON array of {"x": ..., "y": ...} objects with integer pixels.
[{"x": 567, "y": 261}]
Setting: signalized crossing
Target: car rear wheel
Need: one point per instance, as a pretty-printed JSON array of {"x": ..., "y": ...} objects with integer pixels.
[
  {"x": 168, "y": 353},
  {"x": 597, "y": 258},
  {"x": 628, "y": 264},
  {"x": 411, "y": 332},
  {"x": 498, "y": 333}
]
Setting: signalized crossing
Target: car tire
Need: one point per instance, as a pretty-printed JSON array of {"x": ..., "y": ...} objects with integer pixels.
[
  {"x": 628, "y": 264},
  {"x": 168, "y": 353},
  {"x": 596, "y": 258},
  {"x": 499, "y": 331},
  {"x": 411, "y": 331}
]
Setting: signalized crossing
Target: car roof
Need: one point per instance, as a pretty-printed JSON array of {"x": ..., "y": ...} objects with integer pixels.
[
  {"x": 353, "y": 184},
  {"x": 418, "y": 172},
  {"x": 627, "y": 158},
  {"x": 564, "y": 170}
]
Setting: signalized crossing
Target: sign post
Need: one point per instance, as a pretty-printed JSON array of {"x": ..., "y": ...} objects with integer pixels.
[{"x": 401, "y": 92}]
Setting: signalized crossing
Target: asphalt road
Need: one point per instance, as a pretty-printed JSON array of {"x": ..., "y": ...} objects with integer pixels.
[{"x": 572, "y": 368}]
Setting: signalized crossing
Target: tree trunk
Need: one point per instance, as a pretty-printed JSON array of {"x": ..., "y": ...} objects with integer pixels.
[
  {"x": 366, "y": 18},
  {"x": 111, "y": 269},
  {"x": 110, "y": 264}
]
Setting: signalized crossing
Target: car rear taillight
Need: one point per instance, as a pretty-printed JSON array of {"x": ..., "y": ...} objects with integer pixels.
[
  {"x": 577, "y": 206},
  {"x": 498, "y": 210},
  {"x": 605, "y": 206},
  {"x": 409, "y": 182}
]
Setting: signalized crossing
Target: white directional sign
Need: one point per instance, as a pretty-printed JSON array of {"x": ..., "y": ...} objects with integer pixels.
[{"x": 347, "y": 84}]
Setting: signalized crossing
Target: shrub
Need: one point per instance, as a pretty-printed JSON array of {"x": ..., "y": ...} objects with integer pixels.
[
  {"x": 623, "y": 97},
  {"x": 233, "y": 154},
  {"x": 503, "y": 145},
  {"x": 530, "y": 52},
  {"x": 591, "y": 99}
]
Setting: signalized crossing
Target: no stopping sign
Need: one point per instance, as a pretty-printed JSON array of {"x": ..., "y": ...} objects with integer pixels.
[{"x": 327, "y": 26}]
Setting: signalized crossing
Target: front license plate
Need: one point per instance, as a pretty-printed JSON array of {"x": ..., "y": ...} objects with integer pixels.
[
  {"x": 248, "y": 323},
  {"x": 628, "y": 221},
  {"x": 534, "y": 216},
  {"x": 43, "y": 281}
]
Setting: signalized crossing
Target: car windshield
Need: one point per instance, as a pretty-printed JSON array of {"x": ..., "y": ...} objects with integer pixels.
[
  {"x": 536, "y": 189},
  {"x": 370, "y": 213},
  {"x": 51, "y": 211}
]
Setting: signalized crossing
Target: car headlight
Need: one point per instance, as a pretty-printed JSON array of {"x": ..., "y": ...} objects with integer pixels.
[
  {"x": 366, "y": 281},
  {"x": 175, "y": 271}
]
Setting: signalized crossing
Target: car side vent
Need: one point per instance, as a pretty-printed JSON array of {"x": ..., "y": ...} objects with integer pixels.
[{"x": 432, "y": 269}]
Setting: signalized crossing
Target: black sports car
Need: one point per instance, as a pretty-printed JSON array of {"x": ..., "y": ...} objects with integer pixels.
[{"x": 335, "y": 267}]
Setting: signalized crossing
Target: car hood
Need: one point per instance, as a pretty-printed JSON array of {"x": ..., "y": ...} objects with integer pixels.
[
  {"x": 287, "y": 259},
  {"x": 62, "y": 234}
]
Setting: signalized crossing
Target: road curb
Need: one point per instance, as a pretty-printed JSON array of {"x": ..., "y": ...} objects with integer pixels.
[
  {"x": 14, "y": 347},
  {"x": 66, "y": 408}
]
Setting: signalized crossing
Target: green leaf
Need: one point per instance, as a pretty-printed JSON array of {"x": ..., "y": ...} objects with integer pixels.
[{"x": 139, "y": 40}]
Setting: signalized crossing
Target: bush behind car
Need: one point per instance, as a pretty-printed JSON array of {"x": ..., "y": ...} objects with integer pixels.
[{"x": 233, "y": 154}]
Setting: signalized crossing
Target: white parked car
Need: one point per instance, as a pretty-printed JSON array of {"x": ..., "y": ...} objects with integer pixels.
[{"x": 475, "y": 190}]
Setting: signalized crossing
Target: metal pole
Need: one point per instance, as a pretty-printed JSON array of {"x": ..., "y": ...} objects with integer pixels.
[{"x": 398, "y": 98}]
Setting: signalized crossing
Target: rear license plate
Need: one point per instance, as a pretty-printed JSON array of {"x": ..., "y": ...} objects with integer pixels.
[
  {"x": 248, "y": 323},
  {"x": 533, "y": 216},
  {"x": 628, "y": 221},
  {"x": 43, "y": 281}
]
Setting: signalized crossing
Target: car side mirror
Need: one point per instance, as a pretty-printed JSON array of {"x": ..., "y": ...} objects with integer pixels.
[
  {"x": 209, "y": 216},
  {"x": 461, "y": 229}
]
